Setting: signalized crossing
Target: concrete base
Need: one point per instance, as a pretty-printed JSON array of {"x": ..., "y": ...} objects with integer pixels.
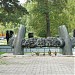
[
  {"x": 18, "y": 50},
  {"x": 63, "y": 33}
]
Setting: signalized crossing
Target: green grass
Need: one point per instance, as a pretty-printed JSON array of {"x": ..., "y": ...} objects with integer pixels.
[
  {"x": 3, "y": 42},
  {"x": 2, "y": 53}
]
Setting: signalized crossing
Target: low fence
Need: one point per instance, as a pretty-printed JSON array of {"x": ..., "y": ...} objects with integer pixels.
[
  {"x": 7, "y": 48},
  {"x": 43, "y": 49}
]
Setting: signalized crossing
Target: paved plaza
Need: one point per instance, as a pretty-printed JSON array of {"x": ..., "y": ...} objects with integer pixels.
[{"x": 37, "y": 65}]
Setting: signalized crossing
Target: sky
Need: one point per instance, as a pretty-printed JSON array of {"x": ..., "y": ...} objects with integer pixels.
[{"x": 22, "y": 1}]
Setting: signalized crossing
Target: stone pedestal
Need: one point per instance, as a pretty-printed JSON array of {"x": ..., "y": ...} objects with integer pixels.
[
  {"x": 18, "y": 49},
  {"x": 63, "y": 33}
]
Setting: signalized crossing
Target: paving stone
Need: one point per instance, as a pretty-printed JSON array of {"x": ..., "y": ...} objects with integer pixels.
[{"x": 37, "y": 65}]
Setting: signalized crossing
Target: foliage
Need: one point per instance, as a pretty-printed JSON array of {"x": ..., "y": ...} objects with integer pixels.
[
  {"x": 11, "y": 13},
  {"x": 36, "y": 19},
  {"x": 11, "y": 5},
  {"x": 60, "y": 12},
  {"x": 57, "y": 12}
]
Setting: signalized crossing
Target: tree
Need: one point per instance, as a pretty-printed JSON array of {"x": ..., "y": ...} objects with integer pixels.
[
  {"x": 11, "y": 11},
  {"x": 11, "y": 5},
  {"x": 46, "y": 16},
  {"x": 39, "y": 15},
  {"x": 60, "y": 12}
]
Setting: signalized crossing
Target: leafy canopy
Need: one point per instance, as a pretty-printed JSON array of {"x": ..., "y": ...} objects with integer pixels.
[{"x": 11, "y": 11}]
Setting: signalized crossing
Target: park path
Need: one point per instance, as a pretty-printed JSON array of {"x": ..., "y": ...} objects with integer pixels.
[{"x": 37, "y": 65}]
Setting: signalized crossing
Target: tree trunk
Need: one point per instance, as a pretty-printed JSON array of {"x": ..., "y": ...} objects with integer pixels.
[
  {"x": 48, "y": 24},
  {"x": 47, "y": 18}
]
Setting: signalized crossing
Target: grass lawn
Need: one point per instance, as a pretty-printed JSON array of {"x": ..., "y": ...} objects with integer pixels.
[
  {"x": 2, "y": 53},
  {"x": 3, "y": 42}
]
